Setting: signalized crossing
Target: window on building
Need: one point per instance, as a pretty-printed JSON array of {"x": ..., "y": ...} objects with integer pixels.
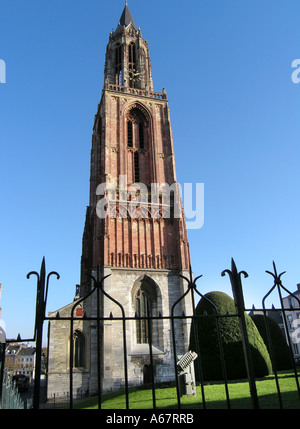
[
  {"x": 143, "y": 310},
  {"x": 118, "y": 65},
  {"x": 289, "y": 321},
  {"x": 79, "y": 349},
  {"x": 136, "y": 167},
  {"x": 146, "y": 300},
  {"x": 132, "y": 64},
  {"x": 137, "y": 132},
  {"x": 129, "y": 134},
  {"x": 136, "y": 129},
  {"x": 141, "y": 135}
]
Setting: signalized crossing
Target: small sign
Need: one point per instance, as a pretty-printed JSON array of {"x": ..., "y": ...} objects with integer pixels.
[{"x": 79, "y": 312}]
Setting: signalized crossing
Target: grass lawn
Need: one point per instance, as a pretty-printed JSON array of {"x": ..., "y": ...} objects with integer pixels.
[{"x": 215, "y": 396}]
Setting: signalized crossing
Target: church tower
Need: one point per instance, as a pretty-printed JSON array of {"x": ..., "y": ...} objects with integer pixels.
[{"x": 134, "y": 230}]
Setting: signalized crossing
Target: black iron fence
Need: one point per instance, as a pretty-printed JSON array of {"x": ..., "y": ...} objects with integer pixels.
[{"x": 192, "y": 293}]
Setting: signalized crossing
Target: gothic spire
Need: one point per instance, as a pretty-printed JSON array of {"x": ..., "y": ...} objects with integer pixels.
[{"x": 126, "y": 18}]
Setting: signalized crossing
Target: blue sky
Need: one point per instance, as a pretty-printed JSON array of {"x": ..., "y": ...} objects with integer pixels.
[{"x": 226, "y": 66}]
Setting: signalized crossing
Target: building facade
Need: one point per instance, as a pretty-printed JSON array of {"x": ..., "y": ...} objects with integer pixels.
[
  {"x": 292, "y": 305},
  {"x": 134, "y": 235},
  {"x": 20, "y": 359}
]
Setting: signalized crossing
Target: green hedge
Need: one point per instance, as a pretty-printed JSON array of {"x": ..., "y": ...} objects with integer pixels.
[
  {"x": 204, "y": 340},
  {"x": 280, "y": 348}
]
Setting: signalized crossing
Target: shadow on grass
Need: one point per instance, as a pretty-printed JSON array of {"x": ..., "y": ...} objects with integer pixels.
[{"x": 290, "y": 400}]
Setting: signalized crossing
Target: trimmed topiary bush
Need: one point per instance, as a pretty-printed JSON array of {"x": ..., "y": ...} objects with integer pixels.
[
  {"x": 281, "y": 350},
  {"x": 204, "y": 341}
]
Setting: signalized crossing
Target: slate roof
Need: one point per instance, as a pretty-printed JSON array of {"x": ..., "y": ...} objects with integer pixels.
[
  {"x": 126, "y": 18},
  {"x": 27, "y": 351}
]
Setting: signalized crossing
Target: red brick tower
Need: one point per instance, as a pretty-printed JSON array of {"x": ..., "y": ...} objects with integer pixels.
[{"x": 133, "y": 230}]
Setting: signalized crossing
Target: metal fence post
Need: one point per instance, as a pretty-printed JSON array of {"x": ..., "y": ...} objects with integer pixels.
[
  {"x": 41, "y": 300},
  {"x": 278, "y": 284},
  {"x": 2, "y": 362},
  {"x": 236, "y": 283}
]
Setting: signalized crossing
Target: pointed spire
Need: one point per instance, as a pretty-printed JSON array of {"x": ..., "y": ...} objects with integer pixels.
[{"x": 126, "y": 18}]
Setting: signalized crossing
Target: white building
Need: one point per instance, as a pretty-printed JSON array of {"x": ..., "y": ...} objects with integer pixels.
[{"x": 292, "y": 304}]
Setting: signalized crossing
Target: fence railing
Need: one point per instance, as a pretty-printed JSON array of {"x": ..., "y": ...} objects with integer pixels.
[
  {"x": 191, "y": 292},
  {"x": 11, "y": 398}
]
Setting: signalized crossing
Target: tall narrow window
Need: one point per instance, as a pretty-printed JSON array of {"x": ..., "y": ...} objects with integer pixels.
[
  {"x": 132, "y": 64},
  {"x": 118, "y": 66},
  {"x": 141, "y": 135},
  {"x": 136, "y": 167},
  {"x": 79, "y": 350},
  {"x": 132, "y": 57},
  {"x": 143, "y": 310},
  {"x": 129, "y": 134},
  {"x": 137, "y": 129},
  {"x": 147, "y": 305}
]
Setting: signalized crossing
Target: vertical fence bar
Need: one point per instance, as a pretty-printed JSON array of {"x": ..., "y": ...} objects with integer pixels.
[
  {"x": 279, "y": 285},
  {"x": 220, "y": 344},
  {"x": 2, "y": 363},
  {"x": 71, "y": 358},
  {"x": 198, "y": 351},
  {"x": 222, "y": 356},
  {"x": 41, "y": 301},
  {"x": 99, "y": 284},
  {"x": 40, "y": 313},
  {"x": 149, "y": 322},
  {"x": 271, "y": 353},
  {"x": 190, "y": 289},
  {"x": 124, "y": 344},
  {"x": 99, "y": 381},
  {"x": 172, "y": 317},
  {"x": 198, "y": 348},
  {"x": 236, "y": 284}
]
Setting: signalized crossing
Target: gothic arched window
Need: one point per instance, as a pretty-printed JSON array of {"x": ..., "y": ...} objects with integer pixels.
[
  {"x": 79, "y": 349},
  {"x": 147, "y": 305},
  {"x": 136, "y": 129},
  {"x": 138, "y": 140}
]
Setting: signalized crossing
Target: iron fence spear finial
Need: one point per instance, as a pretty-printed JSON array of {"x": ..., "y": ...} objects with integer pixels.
[{"x": 277, "y": 278}]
